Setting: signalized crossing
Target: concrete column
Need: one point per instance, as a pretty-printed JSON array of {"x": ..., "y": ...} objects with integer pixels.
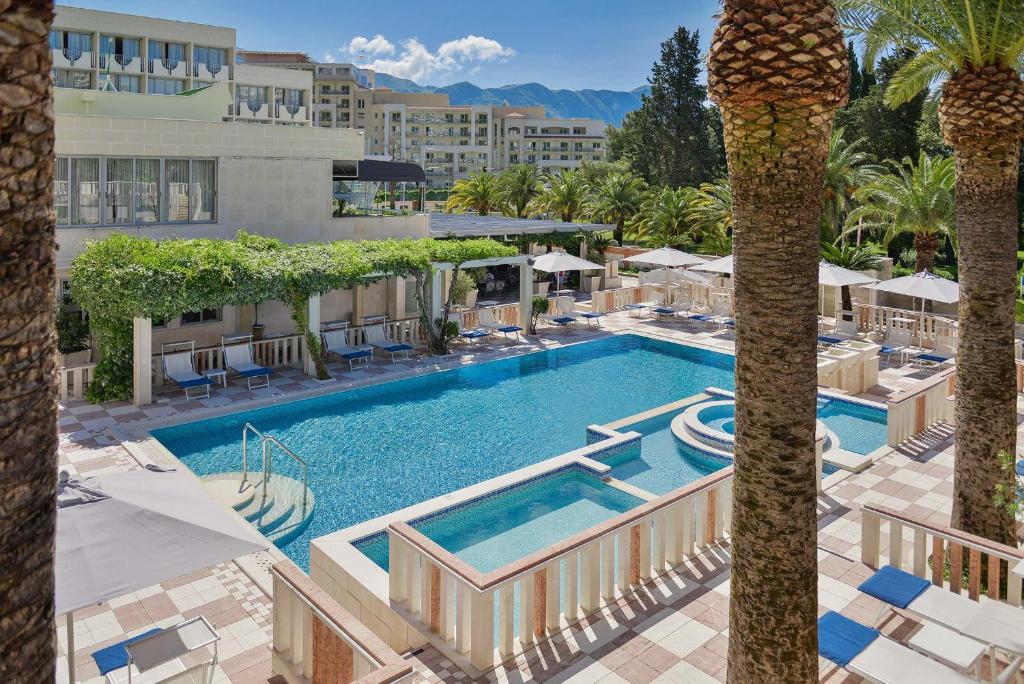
[
  {"x": 142, "y": 361},
  {"x": 358, "y": 304},
  {"x": 436, "y": 290},
  {"x": 525, "y": 295},
  {"x": 313, "y": 306},
  {"x": 396, "y": 298}
]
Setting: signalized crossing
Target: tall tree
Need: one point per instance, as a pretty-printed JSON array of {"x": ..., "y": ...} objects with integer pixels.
[
  {"x": 567, "y": 194},
  {"x": 853, "y": 257},
  {"x": 663, "y": 219},
  {"x": 778, "y": 71},
  {"x": 635, "y": 143},
  {"x": 856, "y": 78},
  {"x": 847, "y": 168},
  {"x": 477, "y": 193},
  {"x": 28, "y": 379},
  {"x": 517, "y": 186},
  {"x": 975, "y": 50}
]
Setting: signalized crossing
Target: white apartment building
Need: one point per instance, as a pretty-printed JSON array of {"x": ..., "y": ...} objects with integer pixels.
[{"x": 94, "y": 50}]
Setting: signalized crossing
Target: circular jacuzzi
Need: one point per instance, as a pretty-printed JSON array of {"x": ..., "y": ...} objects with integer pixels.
[{"x": 710, "y": 427}]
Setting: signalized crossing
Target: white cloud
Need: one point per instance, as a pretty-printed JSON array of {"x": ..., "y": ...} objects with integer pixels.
[
  {"x": 417, "y": 62},
  {"x": 378, "y": 45},
  {"x": 329, "y": 58}
]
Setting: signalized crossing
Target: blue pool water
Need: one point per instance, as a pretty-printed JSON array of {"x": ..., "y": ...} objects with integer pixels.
[
  {"x": 506, "y": 527},
  {"x": 861, "y": 429},
  {"x": 378, "y": 449},
  {"x": 719, "y": 417}
]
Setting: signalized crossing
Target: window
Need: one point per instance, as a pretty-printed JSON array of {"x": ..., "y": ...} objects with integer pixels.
[
  {"x": 164, "y": 57},
  {"x": 125, "y": 84},
  {"x": 463, "y": 118},
  {"x": 344, "y": 90},
  {"x": 346, "y": 103},
  {"x": 72, "y": 43},
  {"x": 164, "y": 86},
  {"x": 118, "y": 51},
  {"x": 214, "y": 59},
  {"x": 133, "y": 190},
  {"x": 204, "y": 316},
  {"x": 360, "y": 103},
  {"x": 65, "y": 78},
  {"x": 325, "y": 90},
  {"x": 481, "y": 132},
  {"x": 579, "y": 131}
]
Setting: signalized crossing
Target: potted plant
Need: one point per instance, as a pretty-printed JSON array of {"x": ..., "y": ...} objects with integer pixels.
[
  {"x": 464, "y": 289},
  {"x": 72, "y": 336},
  {"x": 257, "y": 327},
  {"x": 540, "y": 283},
  {"x": 539, "y": 306}
]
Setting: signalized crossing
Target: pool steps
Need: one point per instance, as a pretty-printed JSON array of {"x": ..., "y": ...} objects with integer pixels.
[{"x": 277, "y": 513}]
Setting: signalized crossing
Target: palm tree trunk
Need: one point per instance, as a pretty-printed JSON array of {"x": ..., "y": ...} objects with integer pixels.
[
  {"x": 28, "y": 380},
  {"x": 620, "y": 230},
  {"x": 925, "y": 245},
  {"x": 986, "y": 391},
  {"x": 777, "y": 113}
]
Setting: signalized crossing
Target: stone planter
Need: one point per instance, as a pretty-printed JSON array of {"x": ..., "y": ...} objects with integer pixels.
[
  {"x": 257, "y": 331},
  {"x": 471, "y": 297},
  {"x": 541, "y": 289}
]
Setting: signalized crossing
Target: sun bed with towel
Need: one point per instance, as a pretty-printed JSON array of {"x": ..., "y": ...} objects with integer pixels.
[
  {"x": 865, "y": 652},
  {"x": 487, "y": 321},
  {"x": 377, "y": 337},
  {"x": 336, "y": 341},
  {"x": 237, "y": 352},
  {"x": 180, "y": 366}
]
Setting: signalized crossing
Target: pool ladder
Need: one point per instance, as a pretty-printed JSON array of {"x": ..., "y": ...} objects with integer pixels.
[{"x": 267, "y": 444}]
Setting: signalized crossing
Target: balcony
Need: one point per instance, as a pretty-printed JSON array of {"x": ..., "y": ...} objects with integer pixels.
[
  {"x": 252, "y": 109},
  {"x": 120, "y": 64},
  {"x": 72, "y": 59},
  {"x": 290, "y": 112},
  {"x": 212, "y": 72},
  {"x": 176, "y": 68}
]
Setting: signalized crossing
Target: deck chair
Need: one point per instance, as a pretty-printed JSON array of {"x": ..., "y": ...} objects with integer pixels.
[
  {"x": 865, "y": 652},
  {"x": 237, "y": 353},
  {"x": 945, "y": 350},
  {"x": 567, "y": 313},
  {"x": 661, "y": 308},
  {"x": 487, "y": 321},
  {"x": 468, "y": 334},
  {"x": 378, "y": 338},
  {"x": 180, "y": 366},
  {"x": 336, "y": 342},
  {"x": 897, "y": 341}
]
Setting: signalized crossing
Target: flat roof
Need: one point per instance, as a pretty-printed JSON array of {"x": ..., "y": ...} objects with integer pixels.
[{"x": 467, "y": 225}]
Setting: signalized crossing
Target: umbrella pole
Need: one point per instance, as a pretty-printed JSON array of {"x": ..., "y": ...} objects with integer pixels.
[{"x": 70, "y": 617}]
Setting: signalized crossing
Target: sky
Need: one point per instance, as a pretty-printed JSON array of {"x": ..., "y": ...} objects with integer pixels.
[{"x": 566, "y": 44}]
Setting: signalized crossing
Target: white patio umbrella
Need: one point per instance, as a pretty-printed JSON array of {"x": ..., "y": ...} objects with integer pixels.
[
  {"x": 123, "y": 532},
  {"x": 837, "y": 276},
  {"x": 666, "y": 256},
  {"x": 556, "y": 262},
  {"x": 723, "y": 265},
  {"x": 924, "y": 285}
]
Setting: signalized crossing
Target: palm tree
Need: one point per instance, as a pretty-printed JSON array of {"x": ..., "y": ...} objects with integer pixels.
[
  {"x": 663, "y": 219},
  {"x": 778, "y": 71},
  {"x": 28, "y": 391},
  {"x": 567, "y": 194},
  {"x": 477, "y": 193},
  {"x": 617, "y": 200},
  {"x": 846, "y": 169},
  {"x": 975, "y": 50},
  {"x": 916, "y": 199},
  {"x": 518, "y": 185},
  {"x": 853, "y": 257},
  {"x": 711, "y": 209}
]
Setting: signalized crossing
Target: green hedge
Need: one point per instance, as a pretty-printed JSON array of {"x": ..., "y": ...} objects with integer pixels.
[{"x": 123, "y": 277}]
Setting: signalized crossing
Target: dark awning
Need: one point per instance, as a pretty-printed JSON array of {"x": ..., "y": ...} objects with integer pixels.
[
  {"x": 345, "y": 170},
  {"x": 401, "y": 172}
]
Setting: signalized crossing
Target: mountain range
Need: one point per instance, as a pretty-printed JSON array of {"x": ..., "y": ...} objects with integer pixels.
[{"x": 607, "y": 105}]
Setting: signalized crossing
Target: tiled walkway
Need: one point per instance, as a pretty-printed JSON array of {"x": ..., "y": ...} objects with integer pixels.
[{"x": 673, "y": 630}]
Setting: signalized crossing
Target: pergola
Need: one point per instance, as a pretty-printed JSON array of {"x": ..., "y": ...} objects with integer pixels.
[{"x": 142, "y": 328}]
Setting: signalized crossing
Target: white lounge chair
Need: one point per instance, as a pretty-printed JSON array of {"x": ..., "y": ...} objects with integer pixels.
[
  {"x": 897, "y": 341},
  {"x": 377, "y": 337},
  {"x": 487, "y": 321},
  {"x": 237, "y": 352},
  {"x": 945, "y": 350},
  {"x": 180, "y": 366},
  {"x": 566, "y": 313},
  {"x": 865, "y": 652},
  {"x": 468, "y": 334},
  {"x": 336, "y": 341}
]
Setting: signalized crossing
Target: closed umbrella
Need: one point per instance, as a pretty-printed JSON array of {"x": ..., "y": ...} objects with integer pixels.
[
  {"x": 556, "y": 262},
  {"x": 123, "y": 532}
]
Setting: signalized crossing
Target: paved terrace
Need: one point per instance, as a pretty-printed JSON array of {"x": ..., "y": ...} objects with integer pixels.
[{"x": 675, "y": 629}]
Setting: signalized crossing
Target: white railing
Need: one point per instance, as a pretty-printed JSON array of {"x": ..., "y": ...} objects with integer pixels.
[
  {"x": 314, "y": 634},
  {"x": 457, "y": 602},
  {"x": 875, "y": 319},
  {"x": 73, "y": 381},
  {"x": 404, "y": 331},
  {"x": 604, "y": 301},
  {"x": 177, "y": 68},
  {"x": 507, "y": 314},
  {"x": 914, "y": 410},
  {"x": 272, "y": 352},
  {"x": 926, "y": 556}
]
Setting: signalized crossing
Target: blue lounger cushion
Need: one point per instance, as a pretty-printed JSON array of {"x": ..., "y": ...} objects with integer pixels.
[
  {"x": 114, "y": 657},
  {"x": 889, "y": 350},
  {"x": 896, "y": 587},
  {"x": 397, "y": 347},
  {"x": 591, "y": 315},
  {"x": 841, "y": 639},
  {"x": 474, "y": 334},
  {"x": 701, "y": 317},
  {"x": 509, "y": 329},
  {"x": 829, "y": 340},
  {"x": 663, "y": 310},
  {"x": 563, "y": 320},
  {"x": 361, "y": 354},
  {"x": 254, "y": 372},
  {"x": 196, "y": 382},
  {"x": 1020, "y": 468},
  {"x": 636, "y": 306},
  {"x": 937, "y": 358}
]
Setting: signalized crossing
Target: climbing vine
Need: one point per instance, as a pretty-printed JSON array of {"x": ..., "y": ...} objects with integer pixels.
[{"x": 123, "y": 277}]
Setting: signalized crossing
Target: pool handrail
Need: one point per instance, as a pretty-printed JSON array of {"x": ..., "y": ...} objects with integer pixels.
[{"x": 267, "y": 442}]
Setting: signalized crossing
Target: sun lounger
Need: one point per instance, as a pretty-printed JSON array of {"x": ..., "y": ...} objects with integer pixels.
[
  {"x": 897, "y": 341},
  {"x": 865, "y": 652},
  {"x": 180, "y": 366},
  {"x": 237, "y": 353},
  {"x": 487, "y": 321},
  {"x": 377, "y": 337},
  {"x": 945, "y": 350},
  {"x": 567, "y": 313},
  {"x": 337, "y": 342},
  {"x": 468, "y": 334},
  {"x": 900, "y": 589}
]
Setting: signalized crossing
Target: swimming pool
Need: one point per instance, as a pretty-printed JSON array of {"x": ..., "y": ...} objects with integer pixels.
[
  {"x": 505, "y": 527},
  {"x": 378, "y": 449}
]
